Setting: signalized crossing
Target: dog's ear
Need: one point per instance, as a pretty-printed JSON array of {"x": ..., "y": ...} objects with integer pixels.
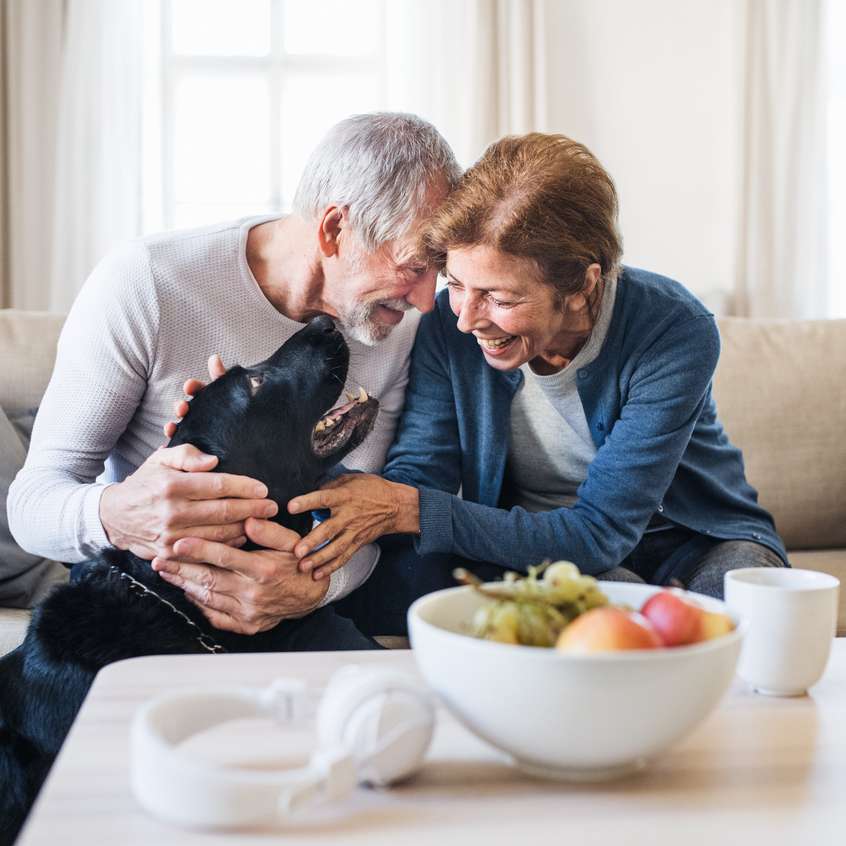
[{"x": 256, "y": 380}]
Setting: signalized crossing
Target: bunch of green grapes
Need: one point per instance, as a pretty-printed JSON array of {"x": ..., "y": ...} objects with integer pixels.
[
  {"x": 519, "y": 621},
  {"x": 533, "y": 610},
  {"x": 565, "y": 585}
]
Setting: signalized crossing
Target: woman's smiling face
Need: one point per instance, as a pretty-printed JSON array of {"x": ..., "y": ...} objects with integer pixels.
[{"x": 514, "y": 316}]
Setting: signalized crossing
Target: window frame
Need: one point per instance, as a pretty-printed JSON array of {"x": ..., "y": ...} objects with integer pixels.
[{"x": 165, "y": 69}]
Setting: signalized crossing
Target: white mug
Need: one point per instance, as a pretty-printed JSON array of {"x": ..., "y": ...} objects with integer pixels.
[{"x": 792, "y": 618}]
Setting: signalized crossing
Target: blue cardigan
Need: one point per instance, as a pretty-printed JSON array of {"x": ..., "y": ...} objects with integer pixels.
[{"x": 647, "y": 399}]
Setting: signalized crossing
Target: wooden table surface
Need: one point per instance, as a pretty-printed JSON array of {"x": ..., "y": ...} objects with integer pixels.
[{"x": 759, "y": 770}]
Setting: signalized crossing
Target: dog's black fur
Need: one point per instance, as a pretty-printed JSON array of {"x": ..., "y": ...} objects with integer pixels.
[{"x": 260, "y": 422}]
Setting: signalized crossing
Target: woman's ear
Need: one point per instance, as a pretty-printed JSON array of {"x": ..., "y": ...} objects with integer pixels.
[
  {"x": 581, "y": 300},
  {"x": 592, "y": 276},
  {"x": 331, "y": 224}
]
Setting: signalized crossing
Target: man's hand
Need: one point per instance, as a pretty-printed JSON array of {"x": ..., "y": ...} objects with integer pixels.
[
  {"x": 364, "y": 507},
  {"x": 192, "y": 387},
  {"x": 244, "y": 592},
  {"x": 172, "y": 495}
]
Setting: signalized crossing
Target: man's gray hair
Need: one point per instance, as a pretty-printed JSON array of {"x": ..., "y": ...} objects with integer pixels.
[{"x": 379, "y": 167}]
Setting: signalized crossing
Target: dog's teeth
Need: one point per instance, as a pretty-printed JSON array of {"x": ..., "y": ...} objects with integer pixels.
[
  {"x": 362, "y": 395},
  {"x": 320, "y": 426},
  {"x": 350, "y": 396}
]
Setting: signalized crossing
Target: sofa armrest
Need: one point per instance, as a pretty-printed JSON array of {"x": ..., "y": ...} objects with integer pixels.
[{"x": 13, "y": 623}]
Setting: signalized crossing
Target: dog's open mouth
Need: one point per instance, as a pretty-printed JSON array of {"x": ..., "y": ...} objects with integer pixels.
[{"x": 351, "y": 421}]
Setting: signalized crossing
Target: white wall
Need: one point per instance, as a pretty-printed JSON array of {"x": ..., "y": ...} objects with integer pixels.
[{"x": 653, "y": 88}]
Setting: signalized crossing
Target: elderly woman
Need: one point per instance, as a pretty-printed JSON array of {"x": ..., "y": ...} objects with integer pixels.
[{"x": 559, "y": 404}]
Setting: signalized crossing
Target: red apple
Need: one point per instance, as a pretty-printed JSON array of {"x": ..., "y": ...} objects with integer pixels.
[
  {"x": 608, "y": 629},
  {"x": 677, "y": 621}
]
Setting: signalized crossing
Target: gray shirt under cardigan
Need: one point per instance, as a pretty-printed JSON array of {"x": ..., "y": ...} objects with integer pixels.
[{"x": 549, "y": 442}]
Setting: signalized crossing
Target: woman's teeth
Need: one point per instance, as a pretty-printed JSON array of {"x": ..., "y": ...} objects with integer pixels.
[{"x": 495, "y": 343}]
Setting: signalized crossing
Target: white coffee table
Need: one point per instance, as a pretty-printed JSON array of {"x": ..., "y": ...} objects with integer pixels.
[{"x": 758, "y": 771}]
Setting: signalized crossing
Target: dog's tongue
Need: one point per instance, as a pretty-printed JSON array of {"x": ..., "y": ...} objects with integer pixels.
[
  {"x": 341, "y": 409},
  {"x": 333, "y": 415}
]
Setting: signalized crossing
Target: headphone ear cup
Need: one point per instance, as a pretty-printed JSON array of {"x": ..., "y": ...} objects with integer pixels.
[{"x": 383, "y": 719}]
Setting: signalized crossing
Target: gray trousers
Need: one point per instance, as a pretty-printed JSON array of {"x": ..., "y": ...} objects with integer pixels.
[
  {"x": 701, "y": 572},
  {"x": 380, "y": 605}
]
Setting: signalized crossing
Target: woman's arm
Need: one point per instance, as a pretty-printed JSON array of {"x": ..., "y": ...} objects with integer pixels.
[{"x": 625, "y": 483}]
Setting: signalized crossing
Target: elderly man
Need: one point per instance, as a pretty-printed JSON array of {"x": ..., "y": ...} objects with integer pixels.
[{"x": 149, "y": 314}]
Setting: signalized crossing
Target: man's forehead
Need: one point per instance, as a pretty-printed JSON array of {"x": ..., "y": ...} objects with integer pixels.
[
  {"x": 404, "y": 250},
  {"x": 407, "y": 253}
]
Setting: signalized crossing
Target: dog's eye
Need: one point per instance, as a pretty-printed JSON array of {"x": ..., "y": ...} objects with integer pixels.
[{"x": 255, "y": 382}]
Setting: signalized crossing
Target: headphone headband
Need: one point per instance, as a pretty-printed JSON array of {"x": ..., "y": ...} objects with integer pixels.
[{"x": 373, "y": 726}]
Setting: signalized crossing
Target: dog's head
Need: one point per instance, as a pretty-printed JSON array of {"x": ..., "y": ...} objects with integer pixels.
[{"x": 277, "y": 421}]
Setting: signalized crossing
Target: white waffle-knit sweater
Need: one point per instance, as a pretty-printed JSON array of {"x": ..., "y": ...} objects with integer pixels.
[{"x": 146, "y": 319}]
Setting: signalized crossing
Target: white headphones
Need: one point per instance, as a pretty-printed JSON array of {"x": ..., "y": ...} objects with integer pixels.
[{"x": 373, "y": 727}]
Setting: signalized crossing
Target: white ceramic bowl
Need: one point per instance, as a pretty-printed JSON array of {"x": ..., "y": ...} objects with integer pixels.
[{"x": 579, "y": 717}]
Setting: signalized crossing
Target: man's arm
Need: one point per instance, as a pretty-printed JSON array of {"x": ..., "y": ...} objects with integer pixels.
[
  {"x": 99, "y": 378},
  {"x": 105, "y": 354}
]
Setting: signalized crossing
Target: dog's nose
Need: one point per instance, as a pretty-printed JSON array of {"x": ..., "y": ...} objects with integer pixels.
[{"x": 323, "y": 324}]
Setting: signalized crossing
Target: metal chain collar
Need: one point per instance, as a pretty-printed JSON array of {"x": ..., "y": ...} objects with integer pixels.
[{"x": 140, "y": 589}]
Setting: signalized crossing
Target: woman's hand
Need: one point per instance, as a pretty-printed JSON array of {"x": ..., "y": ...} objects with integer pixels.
[{"x": 364, "y": 507}]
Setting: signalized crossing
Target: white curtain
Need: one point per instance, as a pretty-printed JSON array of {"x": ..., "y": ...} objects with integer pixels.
[
  {"x": 783, "y": 252},
  {"x": 98, "y": 198},
  {"x": 30, "y": 71},
  {"x": 475, "y": 68},
  {"x": 70, "y": 142},
  {"x": 836, "y": 180}
]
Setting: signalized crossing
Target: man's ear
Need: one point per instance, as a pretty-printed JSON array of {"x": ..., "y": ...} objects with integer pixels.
[{"x": 332, "y": 221}]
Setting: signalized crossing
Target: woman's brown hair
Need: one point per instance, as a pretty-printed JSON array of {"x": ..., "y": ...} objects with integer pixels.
[{"x": 541, "y": 197}]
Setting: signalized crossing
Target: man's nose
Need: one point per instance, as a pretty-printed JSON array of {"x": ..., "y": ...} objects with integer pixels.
[{"x": 422, "y": 295}]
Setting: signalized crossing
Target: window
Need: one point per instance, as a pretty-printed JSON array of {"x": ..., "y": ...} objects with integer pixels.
[{"x": 240, "y": 91}]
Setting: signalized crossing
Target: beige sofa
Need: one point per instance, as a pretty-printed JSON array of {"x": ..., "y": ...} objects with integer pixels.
[{"x": 780, "y": 393}]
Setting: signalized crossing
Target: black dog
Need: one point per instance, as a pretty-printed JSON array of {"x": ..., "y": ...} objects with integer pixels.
[{"x": 270, "y": 422}]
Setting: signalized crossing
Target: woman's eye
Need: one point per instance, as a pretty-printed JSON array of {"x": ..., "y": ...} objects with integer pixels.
[{"x": 501, "y": 303}]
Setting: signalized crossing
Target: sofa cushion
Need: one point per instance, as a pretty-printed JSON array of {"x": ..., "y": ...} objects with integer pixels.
[
  {"x": 28, "y": 350},
  {"x": 24, "y": 578},
  {"x": 831, "y": 561},
  {"x": 780, "y": 396},
  {"x": 13, "y": 623}
]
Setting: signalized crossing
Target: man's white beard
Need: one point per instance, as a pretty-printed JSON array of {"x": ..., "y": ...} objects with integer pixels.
[{"x": 361, "y": 325}]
